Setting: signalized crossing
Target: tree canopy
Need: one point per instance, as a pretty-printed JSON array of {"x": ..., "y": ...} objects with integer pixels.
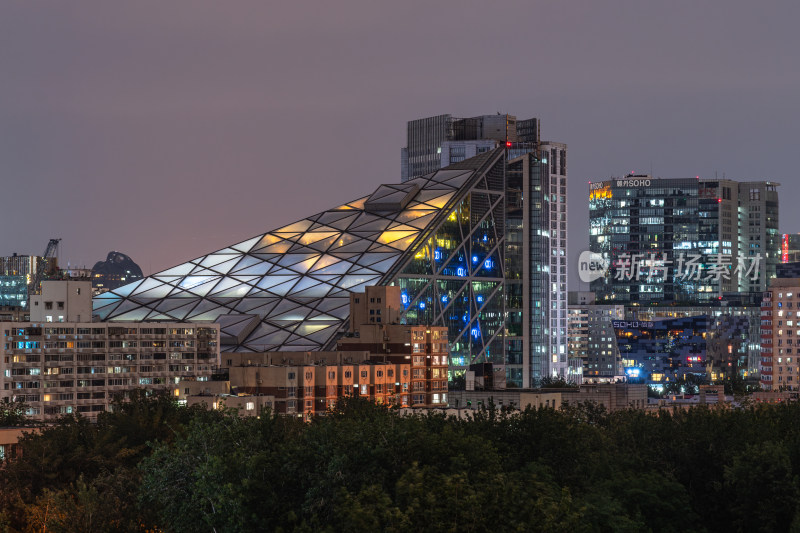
[{"x": 153, "y": 465}]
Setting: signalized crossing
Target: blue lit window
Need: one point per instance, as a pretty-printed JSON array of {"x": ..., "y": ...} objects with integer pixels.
[
  {"x": 474, "y": 258},
  {"x": 488, "y": 263},
  {"x": 461, "y": 271},
  {"x": 444, "y": 298}
]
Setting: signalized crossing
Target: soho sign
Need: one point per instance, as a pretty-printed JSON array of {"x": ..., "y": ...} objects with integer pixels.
[{"x": 633, "y": 183}]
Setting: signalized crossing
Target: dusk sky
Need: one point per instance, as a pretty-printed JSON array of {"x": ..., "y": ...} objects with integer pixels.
[{"x": 167, "y": 130}]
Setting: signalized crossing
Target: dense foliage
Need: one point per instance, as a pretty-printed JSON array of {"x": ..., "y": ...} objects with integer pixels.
[{"x": 152, "y": 465}]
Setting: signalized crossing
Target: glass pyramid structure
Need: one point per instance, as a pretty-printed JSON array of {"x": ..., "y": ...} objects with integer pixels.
[{"x": 440, "y": 237}]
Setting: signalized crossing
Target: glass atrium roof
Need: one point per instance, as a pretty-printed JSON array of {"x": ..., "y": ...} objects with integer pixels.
[{"x": 289, "y": 289}]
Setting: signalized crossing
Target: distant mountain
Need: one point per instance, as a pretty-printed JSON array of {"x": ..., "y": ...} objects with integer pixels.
[{"x": 118, "y": 269}]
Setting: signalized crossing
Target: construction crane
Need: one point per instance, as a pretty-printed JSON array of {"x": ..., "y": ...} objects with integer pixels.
[{"x": 49, "y": 252}]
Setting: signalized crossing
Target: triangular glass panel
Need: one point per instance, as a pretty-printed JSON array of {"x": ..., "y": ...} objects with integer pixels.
[
  {"x": 246, "y": 245},
  {"x": 384, "y": 265},
  {"x": 204, "y": 288},
  {"x": 161, "y": 291},
  {"x": 271, "y": 281},
  {"x": 317, "y": 291},
  {"x": 125, "y": 306},
  {"x": 369, "y": 226},
  {"x": 357, "y": 244},
  {"x": 266, "y": 240},
  {"x": 441, "y": 201},
  {"x": 282, "y": 289},
  {"x": 125, "y": 290},
  {"x": 277, "y": 248},
  {"x": 245, "y": 262},
  {"x": 169, "y": 304},
  {"x": 324, "y": 244},
  {"x": 297, "y": 227},
  {"x": 258, "y": 269},
  {"x": 103, "y": 312},
  {"x": 372, "y": 258},
  {"x": 413, "y": 214},
  {"x": 238, "y": 291},
  {"x": 224, "y": 268},
  {"x": 297, "y": 315},
  {"x": 304, "y": 266},
  {"x": 322, "y": 335},
  {"x": 326, "y": 278},
  {"x": 314, "y": 236},
  {"x": 215, "y": 259},
  {"x": 249, "y": 304},
  {"x": 403, "y": 244},
  {"x": 390, "y": 236},
  {"x": 351, "y": 281},
  {"x": 381, "y": 248},
  {"x": 358, "y": 204},
  {"x": 167, "y": 279},
  {"x": 423, "y": 222},
  {"x": 337, "y": 268},
  {"x": 336, "y": 219},
  {"x": 291, "y": 259},
  {"x": 205, "y": 306},
  {"x": 328, "y": 304}
]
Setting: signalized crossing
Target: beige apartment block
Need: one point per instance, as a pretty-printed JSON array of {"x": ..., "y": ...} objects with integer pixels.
[{"x": 59, "y": 368}]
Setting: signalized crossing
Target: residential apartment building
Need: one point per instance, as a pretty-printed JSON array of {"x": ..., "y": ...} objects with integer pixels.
[
  {"x": 592, "y": 337},
  {"x": 780, "y": 335},
  {"x": 67, "y": 366}
]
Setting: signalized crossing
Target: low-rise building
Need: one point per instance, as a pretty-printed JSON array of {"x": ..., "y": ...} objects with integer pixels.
[
  {"x": 425, "y": 348},
  {"x": 301, "y": 383},
  {"x": 612, "y": 396}
]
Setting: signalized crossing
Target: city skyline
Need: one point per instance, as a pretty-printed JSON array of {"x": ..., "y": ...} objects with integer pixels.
[{"x": 158, "y": 129}]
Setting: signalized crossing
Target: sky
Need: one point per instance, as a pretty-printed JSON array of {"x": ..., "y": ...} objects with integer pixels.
[{"x": 167, "y": 130}]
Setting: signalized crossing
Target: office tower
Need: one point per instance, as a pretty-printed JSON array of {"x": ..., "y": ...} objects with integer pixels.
[
  {"x": 683, "y": 241},
  {"x": 459, "y": 242},
  {"x": 17, "y": 272},
  {"x": 436, "y": 142}
]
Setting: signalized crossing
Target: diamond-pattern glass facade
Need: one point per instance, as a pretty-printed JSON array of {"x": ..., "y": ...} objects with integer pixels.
[{"x": 440, "y": 237}]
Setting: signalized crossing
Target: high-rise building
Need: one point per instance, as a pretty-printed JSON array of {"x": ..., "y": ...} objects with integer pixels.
[
  {"x": 592, "y": 339},
  {"x": 780, "y": 331},
  {"x": 436, "y": 142},
  {"x": 683, "y": 241},
  {"x": 478, "y": 247},
  {"x": 17, "y": 272}
]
